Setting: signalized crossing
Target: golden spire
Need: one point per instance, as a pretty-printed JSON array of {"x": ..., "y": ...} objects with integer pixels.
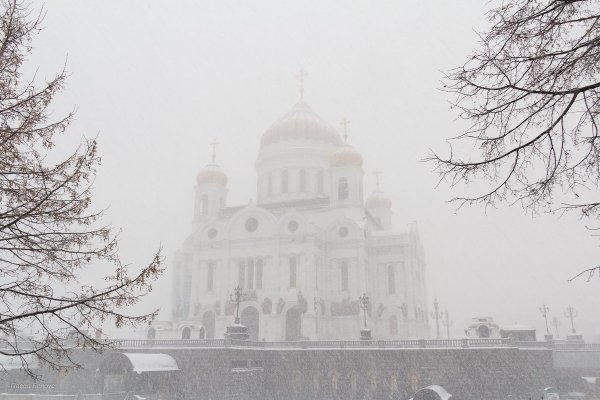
[
  {"x": 344, "y": 123},
  {"x": 301, "y": 76},
  {"x": 214, "y": 144}
]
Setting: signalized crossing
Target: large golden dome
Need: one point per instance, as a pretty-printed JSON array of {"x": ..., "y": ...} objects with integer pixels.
[{"x": 301, "y": 124}]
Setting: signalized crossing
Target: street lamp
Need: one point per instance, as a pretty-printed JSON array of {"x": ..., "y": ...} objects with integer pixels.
[
  {"x": 236, "y": 297},
  {"x": 544, "y": 309},
  {"x": 571, "y": 314},
  {"x": 436, "y": 314},
  {"x": 237, "y": 331},
  {"x": 447, "y": 323},
  {"x": 365, "y": 333}
]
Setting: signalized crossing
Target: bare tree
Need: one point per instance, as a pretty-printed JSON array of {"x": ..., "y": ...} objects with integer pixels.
[
  {"x": 531, "y": 95},
  {"x": 48, "y": 235}
]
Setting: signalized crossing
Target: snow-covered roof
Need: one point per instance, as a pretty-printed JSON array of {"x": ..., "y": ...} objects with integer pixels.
[
  {"x": 438, "y": 390},
  {"x": 518, "y": 327},
  {"x": 151, "y": 362}
]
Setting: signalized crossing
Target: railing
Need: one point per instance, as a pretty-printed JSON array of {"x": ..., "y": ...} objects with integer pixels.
[
  {"x": 347, "y": 344},
  {"x": 359, "y": 344}
]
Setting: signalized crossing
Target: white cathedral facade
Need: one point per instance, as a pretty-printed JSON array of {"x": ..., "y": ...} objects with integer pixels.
[{"x": 303, "y": 254}]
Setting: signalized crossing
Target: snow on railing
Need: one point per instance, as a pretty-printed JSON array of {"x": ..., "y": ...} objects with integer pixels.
[
  {"x": 346, "y": 344},
  {"x": 357, "y": 344}
]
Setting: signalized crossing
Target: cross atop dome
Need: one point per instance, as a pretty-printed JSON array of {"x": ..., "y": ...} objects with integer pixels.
[
  {"x": 301, "y": 76},
  {"x": 377, "y": 174},
  {"x": 344, "y": 123},
  {"x": 214, "y": 144}
]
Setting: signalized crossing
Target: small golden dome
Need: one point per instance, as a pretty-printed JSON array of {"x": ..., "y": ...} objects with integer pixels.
[
  {"x": 346, "y": 156},
  {"x": 378, "y": 200},
  {"x": 211, "y": 174}
]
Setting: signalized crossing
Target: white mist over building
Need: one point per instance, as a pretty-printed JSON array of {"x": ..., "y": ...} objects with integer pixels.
[{"x": 304, "y": 253}]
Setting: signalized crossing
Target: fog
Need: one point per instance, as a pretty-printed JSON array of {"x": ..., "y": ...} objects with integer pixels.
[{"x": 157, "y": 81}]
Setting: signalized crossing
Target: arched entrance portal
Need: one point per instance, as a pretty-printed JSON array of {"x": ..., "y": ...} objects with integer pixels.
[
  {"x": 249, "y": 319},
  {"x": 208, "y": 322},
  {"x": 293, "y": 324}
]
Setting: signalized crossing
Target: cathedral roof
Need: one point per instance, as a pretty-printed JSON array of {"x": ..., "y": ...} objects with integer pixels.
[
  {"x": 346, "y": 156},
  {"x": 212, "y": 173},
  {"x": 378, "y": 200},
  {"x": 301, "y": 123}
]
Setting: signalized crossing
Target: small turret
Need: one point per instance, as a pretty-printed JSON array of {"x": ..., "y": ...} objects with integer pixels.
[
  {"x": 380, "y": 206},
  {"x": 346, "y": 175},
  {"x": 211, "y": 191}
]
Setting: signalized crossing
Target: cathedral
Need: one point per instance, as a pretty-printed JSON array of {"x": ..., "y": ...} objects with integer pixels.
[{"x": 303, "y": 253}]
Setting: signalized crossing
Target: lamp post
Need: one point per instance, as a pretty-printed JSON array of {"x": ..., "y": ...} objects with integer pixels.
[
  {"x": 436, "y": 314},
  {"x": 236, "y": 297},
  {"x": 447, "y": 323},
  {"x": 237, "y": 331},
  {"x": 571, "y": 314},
  {"x": 544, "y": 309},
  {"x": 365, "y": 333},
  {"x": 556, "y": 323}
]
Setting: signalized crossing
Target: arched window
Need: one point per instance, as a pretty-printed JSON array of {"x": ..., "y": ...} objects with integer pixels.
[
  {"x": 342, "y": 189},
  {"x": 186, "y": 333},
  {"x": 354, "y": 380},
  {"x": 250, "y": 281},
  {"x": 210, "y": 276},
  {"x": 393, "y": 325},
  {"x": 202, "y": 333},
  {"x": 391, "y": 279},
  {"x": 293, "y": 267},
  {"x": 373, "y": 380},
  {"x": 242, "y": 273},
  {"x": 187, "y": 292},
  {"x": 259, "y": 273},
  {"x": 284, "y": 181},
  {"x": 334, "y": 382},
  {"x": 320, "y": 182},
  {"x": 204, "y": 204},
  {"x": 344, "y": 275},
  {"x": 270, "y": 184},
  {"x": 302, "y": 180}
]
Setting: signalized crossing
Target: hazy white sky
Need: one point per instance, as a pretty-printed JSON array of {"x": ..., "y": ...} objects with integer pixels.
[{"x": 157, "y": 81}]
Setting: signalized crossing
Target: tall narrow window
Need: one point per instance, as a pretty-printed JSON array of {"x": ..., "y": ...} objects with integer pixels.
[
  {"x": 242, "y": 273},
  {"x": 250, "y": 281},
  {"x": 210, "y": 276},
  {"x": 393, "y": 325},
  {"x": 320, "y": 181},
  {"x": 293, "y": 271},
  {"x": 342, "y": 189},
  {"x": 204, "y": 204},
  {"x": 259, "y": 273},
  {"x": 270, "y": 184},
  {"x": 302, "y": 180},
  {"x": 284, "y": 181},
  {"x": 391, "y": 279},
  {"x": 344, "y": 272},
  {"x": 187, "y": 291}
]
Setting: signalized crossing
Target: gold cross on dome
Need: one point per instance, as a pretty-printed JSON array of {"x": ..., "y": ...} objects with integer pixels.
[
  {"x": 377, "y": 174},
  {"x": 301, "y": 76},
  {"x": 214, "y": 144},
  {"x": 345, "y": 123}
]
